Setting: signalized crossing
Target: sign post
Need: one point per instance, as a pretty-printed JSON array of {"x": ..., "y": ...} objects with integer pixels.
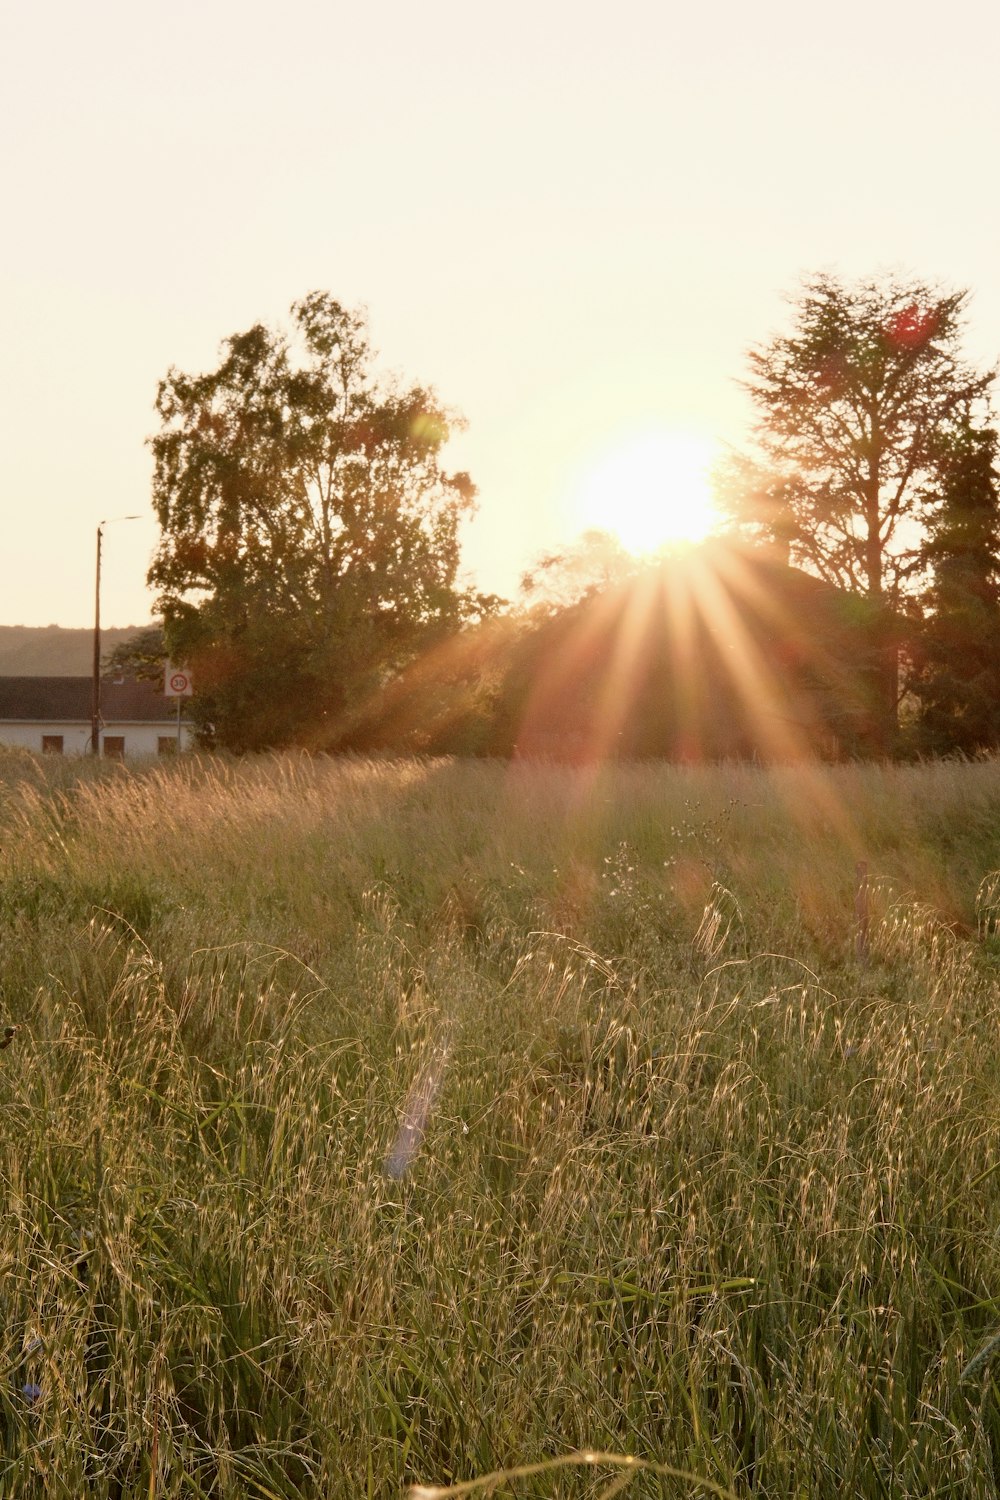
[{"x": 177, "y": 684}]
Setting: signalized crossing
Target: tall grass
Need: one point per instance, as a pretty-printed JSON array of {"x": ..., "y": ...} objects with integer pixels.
[{"x": 375, "y": 1124}]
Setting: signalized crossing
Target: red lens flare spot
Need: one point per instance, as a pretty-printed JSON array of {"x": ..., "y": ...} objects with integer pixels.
[{"x": 912, "y": 327}]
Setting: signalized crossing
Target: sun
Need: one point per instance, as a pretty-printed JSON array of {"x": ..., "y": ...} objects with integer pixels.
[{"x": 651, "y": 490}]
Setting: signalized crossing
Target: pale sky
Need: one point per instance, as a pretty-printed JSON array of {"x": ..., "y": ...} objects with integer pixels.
[{"x": 571, "y": 219}]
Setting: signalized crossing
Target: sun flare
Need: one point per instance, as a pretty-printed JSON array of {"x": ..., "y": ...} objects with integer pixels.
[{"x": 651, "y": 490}]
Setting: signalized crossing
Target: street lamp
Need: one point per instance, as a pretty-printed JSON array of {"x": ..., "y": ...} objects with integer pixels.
[{"x": 95, "y": 711}]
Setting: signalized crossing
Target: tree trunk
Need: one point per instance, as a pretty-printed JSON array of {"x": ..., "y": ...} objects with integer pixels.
[
  {"x": 882, "y": 676},
  {"x": 884, "y": 670}
]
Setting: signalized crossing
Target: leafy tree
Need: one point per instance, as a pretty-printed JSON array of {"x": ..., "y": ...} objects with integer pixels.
[
  {"x": 853, "y": 406},
  {"x": 720, "y": 653},
  {"x": 446, "y": 702},
  {"x": 309, "y": 531},
  {"x": 595, "y": 561},
  {"x": 958, "y": 678},
  {"x": 142, "y": 656}
]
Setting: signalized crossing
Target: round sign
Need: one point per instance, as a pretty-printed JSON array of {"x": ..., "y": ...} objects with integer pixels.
[{"x": 179, "y": 682}]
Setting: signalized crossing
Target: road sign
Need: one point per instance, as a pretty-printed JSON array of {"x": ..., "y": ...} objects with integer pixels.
[{"x": 176, "y": 682}]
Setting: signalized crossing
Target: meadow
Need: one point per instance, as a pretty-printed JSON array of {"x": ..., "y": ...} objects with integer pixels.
[{"x": 367, "y": 1125}]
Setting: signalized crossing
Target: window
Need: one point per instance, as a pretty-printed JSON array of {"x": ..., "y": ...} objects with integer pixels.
[
  {"x": 114, "y": 746},
  {"x": 52, "y": 744},
  {"x": 166, "y": 744}
]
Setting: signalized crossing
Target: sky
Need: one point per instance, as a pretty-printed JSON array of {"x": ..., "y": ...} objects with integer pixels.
[{"x": 571, "y": 219}]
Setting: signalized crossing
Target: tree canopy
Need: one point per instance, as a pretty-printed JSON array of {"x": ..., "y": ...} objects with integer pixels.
[
  {"x": 596, "y": 561},
  {"x": 957, "y": 676},
  {"x": 854, "y": 411},
  {"x": 141, "y": 655},
  {"x": 309, "y": 530}
]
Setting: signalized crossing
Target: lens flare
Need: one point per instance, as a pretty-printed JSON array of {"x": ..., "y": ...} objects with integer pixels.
[{"x": 416, "y": 1112}]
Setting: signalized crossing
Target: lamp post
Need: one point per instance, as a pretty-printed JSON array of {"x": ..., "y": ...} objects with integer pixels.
[{"x": 95, "y": 710}]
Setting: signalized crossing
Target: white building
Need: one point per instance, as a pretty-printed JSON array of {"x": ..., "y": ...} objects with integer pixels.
[{"x": 53, "y": 715}]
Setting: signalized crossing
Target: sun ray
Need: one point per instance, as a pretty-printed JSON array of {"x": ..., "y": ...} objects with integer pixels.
[
  {"x": 785, "y": 734},
  {"x": 618, "y": 690}
]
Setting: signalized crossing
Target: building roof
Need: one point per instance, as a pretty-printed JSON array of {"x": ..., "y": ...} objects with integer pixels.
[{"x": 57, "y": 699}]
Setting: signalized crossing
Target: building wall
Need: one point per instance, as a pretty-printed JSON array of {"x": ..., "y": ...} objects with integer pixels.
[{"x": 140, "y": 739}]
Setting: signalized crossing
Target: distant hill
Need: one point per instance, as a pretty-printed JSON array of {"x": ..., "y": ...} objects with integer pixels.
[{"x": 52, "y": 651}]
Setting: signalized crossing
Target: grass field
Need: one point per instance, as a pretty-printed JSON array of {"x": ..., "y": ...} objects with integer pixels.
[{"x": 369, "y": 1125}]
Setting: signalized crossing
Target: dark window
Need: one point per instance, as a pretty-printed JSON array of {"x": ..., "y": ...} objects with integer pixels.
[
  {"x": 114, "y": 746},
  {"x": 52, "y": 744},
  {"x": 166, "y": 744}
]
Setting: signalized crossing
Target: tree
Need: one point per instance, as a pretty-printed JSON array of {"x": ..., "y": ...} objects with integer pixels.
[
  {"x": 853, "y": 409},
  {"x": 142, "y": 656},
  {"x": 595, "y": 561},
  {"x": 309, "y": 531},
  {"x": 958, "y": 650}
]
